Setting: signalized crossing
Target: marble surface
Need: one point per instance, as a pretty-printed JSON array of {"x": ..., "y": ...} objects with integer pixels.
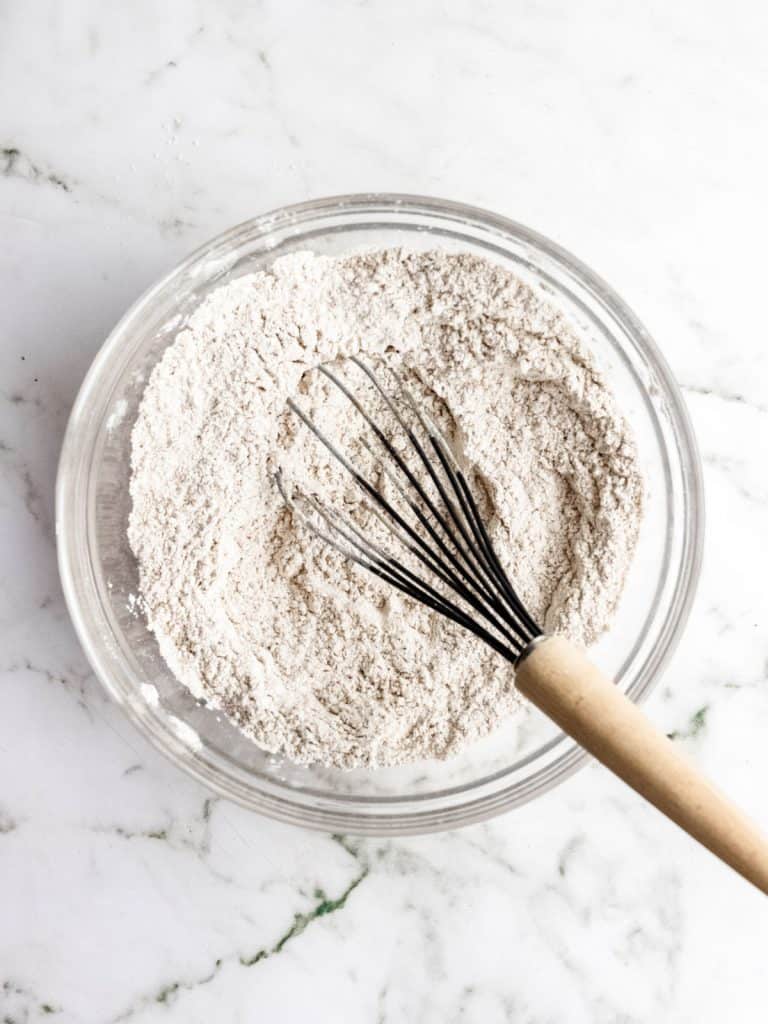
[{"x": 635, "y": 136}]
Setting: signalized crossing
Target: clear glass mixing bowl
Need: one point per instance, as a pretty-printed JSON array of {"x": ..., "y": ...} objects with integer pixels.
[{"x": 524, "y": 758}]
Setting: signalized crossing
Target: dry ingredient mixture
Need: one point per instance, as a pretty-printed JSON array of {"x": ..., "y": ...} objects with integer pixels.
[{"x": 309, "y": 655}]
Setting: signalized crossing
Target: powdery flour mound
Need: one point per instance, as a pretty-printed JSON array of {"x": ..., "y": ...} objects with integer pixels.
[{"x": 310, "y": 656}]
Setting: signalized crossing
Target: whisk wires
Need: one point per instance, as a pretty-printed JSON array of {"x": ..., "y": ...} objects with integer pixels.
[{"x": 459, "y": 575}]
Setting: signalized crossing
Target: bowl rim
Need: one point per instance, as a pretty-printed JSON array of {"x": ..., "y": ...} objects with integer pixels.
[{"x": 379, "y": 820}]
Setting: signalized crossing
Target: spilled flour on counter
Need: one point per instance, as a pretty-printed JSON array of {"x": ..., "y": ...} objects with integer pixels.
[{"x": 310, "y": 656}]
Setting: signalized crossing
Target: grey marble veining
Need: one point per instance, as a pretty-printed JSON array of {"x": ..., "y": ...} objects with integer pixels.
[{"x": 128, "y": 135}]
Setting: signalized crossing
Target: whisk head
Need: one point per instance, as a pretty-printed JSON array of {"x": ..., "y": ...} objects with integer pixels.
[{"x": 437, "y": 548}]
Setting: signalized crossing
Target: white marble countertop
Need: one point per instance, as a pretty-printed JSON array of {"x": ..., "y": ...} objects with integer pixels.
[{"x": 636, "y": 137}]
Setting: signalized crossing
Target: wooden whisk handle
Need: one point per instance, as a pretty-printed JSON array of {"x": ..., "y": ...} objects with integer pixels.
[{"x": 559, "y": 679}]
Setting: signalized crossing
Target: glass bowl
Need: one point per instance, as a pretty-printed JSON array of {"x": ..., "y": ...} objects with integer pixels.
[{"x": 526, "y": 756}]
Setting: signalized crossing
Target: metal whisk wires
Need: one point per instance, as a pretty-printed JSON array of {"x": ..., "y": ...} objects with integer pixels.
[{"x": 459, "y": 573}]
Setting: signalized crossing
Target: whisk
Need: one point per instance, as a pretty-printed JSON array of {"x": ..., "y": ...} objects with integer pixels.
[{"x": 434, "y": 546}]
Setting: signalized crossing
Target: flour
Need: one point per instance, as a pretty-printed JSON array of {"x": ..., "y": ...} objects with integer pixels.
[{"x": 309, "y": 655}]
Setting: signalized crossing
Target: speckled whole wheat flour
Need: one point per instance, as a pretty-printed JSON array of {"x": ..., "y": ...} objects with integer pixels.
[{"x": 310, "y": 656}]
